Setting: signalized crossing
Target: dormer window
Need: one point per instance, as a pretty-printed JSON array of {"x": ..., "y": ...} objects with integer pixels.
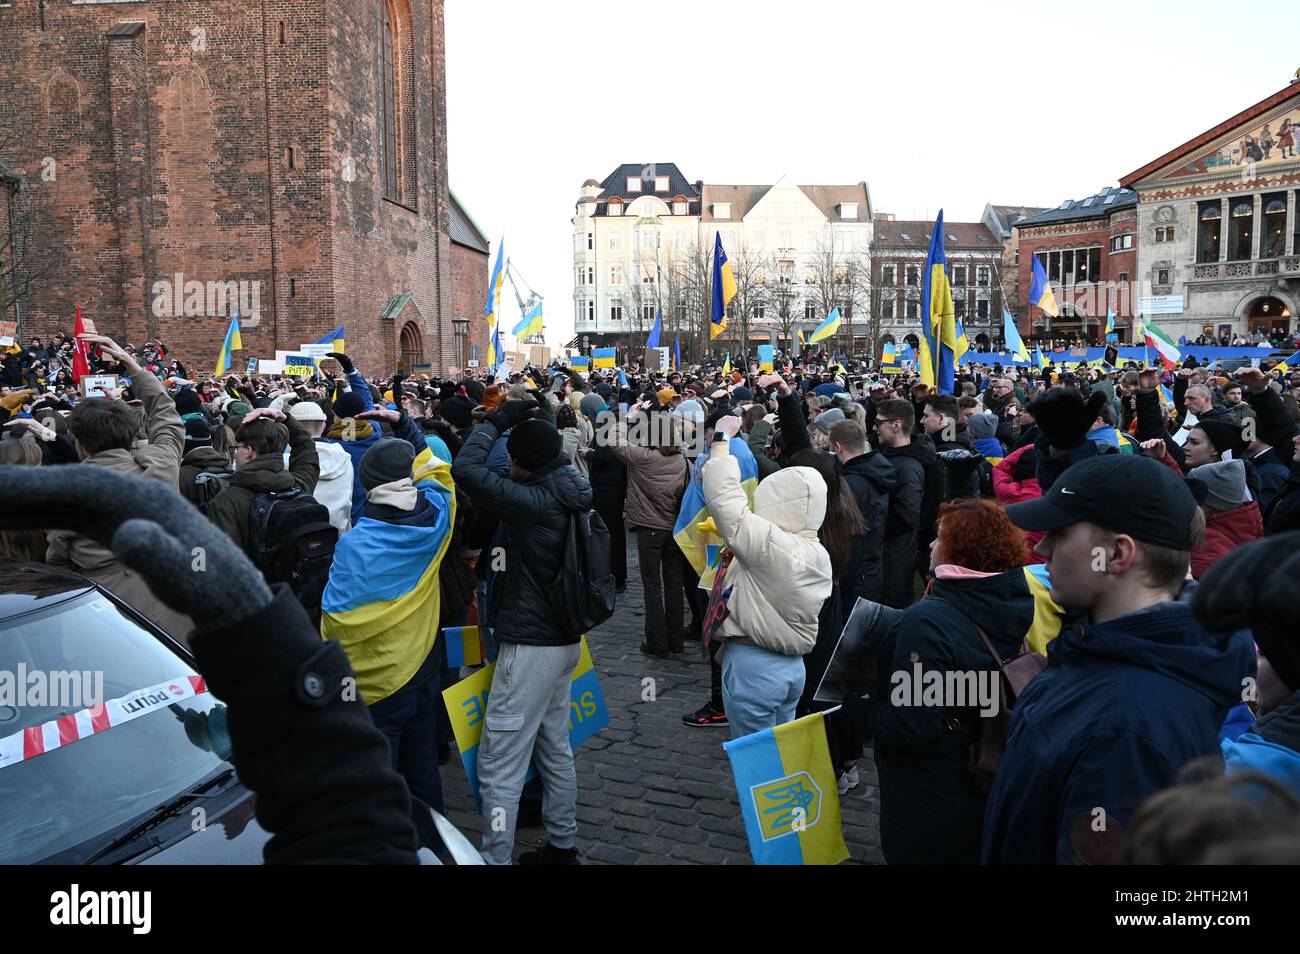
[
  {"x": 722, "y": 210},
  {"x": 848, "y": 210},
  {"x": 633, "y": 183},
  {"x": 661, "y": 183},
  {"x": 615, "y": 207},
  {"x": 679, "y": 207}
]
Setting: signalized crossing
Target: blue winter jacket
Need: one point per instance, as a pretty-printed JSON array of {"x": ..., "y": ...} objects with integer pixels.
[
  {"x": 1270, "y": 747},
  {"x": 357, "y": 449},
  {"x": 1119, "y": 710}
]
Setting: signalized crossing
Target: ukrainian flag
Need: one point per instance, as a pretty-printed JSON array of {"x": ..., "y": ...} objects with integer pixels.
[
  {"x": 726, "y": 366},
  {"x": 496, "y": 353},
  {"x": 581, "y": 361},
  {"x": 532, "y": 323},
  {"x": 1047, "y": 613},
  {"x": 605, "y": 357},
  {"x": 767, "y": 358},
  {"x": 938, "y": 320},
  {"x": 1040, "y": 359},
  {"x": 724, "y": 288},
  {"x": 464, "y": 648},
  {"x": 963, "y": 345},
  {"x": 827, "y": 327},
  {"x": 335, "y": 338},
  {"x": 491, "y": 308},
  {"x": 1011, "y": 335},
  {"x": 802, "y": 342},
  {"x": 888, "y": 355},
  {"x": 788, "y": 797},
  {"x": 694, "y": 531},
  {"x": 233, "y": 342},
  {"x": 382, "y": 599},
  {"x": 1040, "y": 290}
]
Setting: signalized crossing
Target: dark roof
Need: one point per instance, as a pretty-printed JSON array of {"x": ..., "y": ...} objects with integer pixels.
[
  {"x": 463, "y": 230},
  {"x": 1008, "y": 215},
  {"x": 889, "y": 232},
  {"x": 615, "y": 183},
  {"x": 1245, "y": 116},
  {"x": 1108, "y": 200}
]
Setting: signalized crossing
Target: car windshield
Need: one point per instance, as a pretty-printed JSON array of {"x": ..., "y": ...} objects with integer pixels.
[{"x": 74, "y": 771}]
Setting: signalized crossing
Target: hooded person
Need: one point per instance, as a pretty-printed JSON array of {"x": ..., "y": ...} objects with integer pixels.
[
  {"x": 383, "y": 599},
  {"x": 1132, "y": 693},
  {"x": 1231, "y": 519},
  {"x": 983, "y": 430},
  {"x": 608, "y": 477},
  {"x": 334, "y": 486},
  {"x": 777, "y": 575},
  {"x": 200, "y": 458}
]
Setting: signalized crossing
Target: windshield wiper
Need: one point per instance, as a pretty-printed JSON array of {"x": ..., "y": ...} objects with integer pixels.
[{"x": 161, "y": 813}]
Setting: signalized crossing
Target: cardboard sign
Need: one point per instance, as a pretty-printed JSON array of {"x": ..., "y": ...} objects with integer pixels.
[
  {"x": 91, "y": 384},
  {"x": 8, "y": 333},
  {"x": 316, "y": 350},
  {"x": 252, "y": 365},
  {"x": 539, "y": 355},
  {"x": 270, "y": 367},
  {"x": 656, "y": 359},
  {"x": 88, "y": 327},
  {"x": 299, "y": 365}
]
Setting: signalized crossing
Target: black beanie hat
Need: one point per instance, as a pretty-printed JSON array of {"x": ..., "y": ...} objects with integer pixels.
[
  {"x": 534, "y": 444},
  {"x": 456, "y": 411},
  {"x": 197, "y": 434},
  {"x": 1224, "y": 436},
  {"x": 349, "y": 404},
  {"x": 387, "y": 460},
  {"x": 187, "y": 402}
]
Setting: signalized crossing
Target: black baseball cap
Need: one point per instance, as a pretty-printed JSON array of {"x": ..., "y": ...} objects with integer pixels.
[{"x": 1134, "y": 495}]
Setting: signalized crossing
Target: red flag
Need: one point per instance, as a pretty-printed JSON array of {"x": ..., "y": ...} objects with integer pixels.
[{"x": 80, "y": 351}]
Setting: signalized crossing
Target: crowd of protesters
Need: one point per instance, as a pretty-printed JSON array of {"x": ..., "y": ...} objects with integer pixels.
[{"x": 1161, "y": 504}]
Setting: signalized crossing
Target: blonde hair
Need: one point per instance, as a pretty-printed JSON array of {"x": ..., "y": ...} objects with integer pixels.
[{"x": 22, "y": 451}]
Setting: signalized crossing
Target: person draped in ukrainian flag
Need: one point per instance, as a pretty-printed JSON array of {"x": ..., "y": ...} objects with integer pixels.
[{"x": 383, "y": 600}]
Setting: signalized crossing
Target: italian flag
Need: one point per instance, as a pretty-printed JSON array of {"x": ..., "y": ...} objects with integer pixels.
[{"x": 1170, "y": 356}]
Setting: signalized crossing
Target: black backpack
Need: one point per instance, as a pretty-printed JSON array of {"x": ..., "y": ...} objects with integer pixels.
[
  {"x": 583, "y": 595},
  {"x": 209, "y": 484},
  {"x": 291, "y": 540}
]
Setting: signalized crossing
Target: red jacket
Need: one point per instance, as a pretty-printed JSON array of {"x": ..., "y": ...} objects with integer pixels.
[
  {"x": 1009, "y": 490},
  {"x": 1225, "y": 530}
]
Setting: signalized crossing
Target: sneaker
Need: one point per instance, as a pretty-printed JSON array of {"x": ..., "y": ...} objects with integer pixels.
[
  {"x": 849, "y": 780},
  {"x": 647, "y": 651},
  {"x": 545, "y": 854},
  {"x": 706, "y": 716}
]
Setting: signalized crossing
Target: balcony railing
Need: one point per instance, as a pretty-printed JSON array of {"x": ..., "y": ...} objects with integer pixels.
[{"x": 1215, "y": 271}]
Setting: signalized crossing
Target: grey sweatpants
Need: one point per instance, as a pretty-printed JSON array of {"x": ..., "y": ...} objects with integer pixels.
[{"x": 528, "y": 717}]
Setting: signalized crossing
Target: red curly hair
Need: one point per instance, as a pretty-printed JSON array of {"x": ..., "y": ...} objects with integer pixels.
[{"x": 977, "y": 534}]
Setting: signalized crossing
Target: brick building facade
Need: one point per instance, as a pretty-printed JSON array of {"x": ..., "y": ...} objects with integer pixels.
[
  {"x": 287, "y": 158},
  {"x": 470, "y": 266}
]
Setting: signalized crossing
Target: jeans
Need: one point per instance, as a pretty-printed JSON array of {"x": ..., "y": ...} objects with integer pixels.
[
  {"x": 661, "y": 578},
  {"x": 409, "y": 720},
  {"x": 528, "y": 717},
  {"x": 759, "y": 687}
]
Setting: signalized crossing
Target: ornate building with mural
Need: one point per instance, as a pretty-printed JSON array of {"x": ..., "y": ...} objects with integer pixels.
[
  {"x": 1218, "y": 235},
  {"x": 180, "y": 161}
]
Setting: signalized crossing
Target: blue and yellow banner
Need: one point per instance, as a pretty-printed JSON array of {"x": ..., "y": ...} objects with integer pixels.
[
  {"x": 1040, "y": 290},
  {"x": 767, "y": 358},
  {"x": 581, "y": 362},
  {"x": 464, "y": 647},
  {"x": 605, "y": 357},
  {"x": 467, "y": 706},
  {"x": 531, "y": 323},
  {"x": 694, "y": 531},
  {"x": 1047, "y": 613},
  {"x": 382, "y": 599},
  {"x": 724, "y": 288},
  {"x": 887, "y": 353},
  {"x": 827, "y": 328},
  {"x": 938, "y": 320},
  {"x": 1011, "y": 335},
  {"x": 788, "y": 799},
  {"x": 233, "y": 342}
]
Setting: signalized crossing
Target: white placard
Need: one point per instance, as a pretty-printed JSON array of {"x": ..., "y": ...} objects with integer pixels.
[
  {"x": 91, "y": 383},
  {"x": 270, "y": 367},
  {"x": 316, "y": 350}
]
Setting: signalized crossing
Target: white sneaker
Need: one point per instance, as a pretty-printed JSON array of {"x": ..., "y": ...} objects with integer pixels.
[{"x": 849, "y": 780}]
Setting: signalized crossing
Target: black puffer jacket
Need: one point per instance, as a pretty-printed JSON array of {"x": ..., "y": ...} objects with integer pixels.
[
  {"x": 872, "y": 478},
  {"x": 534, "y": 522}
]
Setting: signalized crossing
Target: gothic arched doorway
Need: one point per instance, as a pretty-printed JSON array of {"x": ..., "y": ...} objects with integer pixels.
[{"x": 411, "y": 343}]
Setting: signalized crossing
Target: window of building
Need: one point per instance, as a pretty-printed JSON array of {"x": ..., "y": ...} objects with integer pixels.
[
  {"x": 633, "y": 184},
  {"x": 787, "y": 241},
  {"x": 1121, "y": 242},
  {"x": 591, "y": 274},
  {"x": 913, "y": 309},
  {"x": 1272, "y": 242},
  {"x": 722, "y": 210},
  {"x": 982, "y": 311},
  {"x": 810, "y": 312},
  {"x": 959, "y": 308},
  {"x": 1054, "y": 267},
  {"x": 647, "y": 274},
  {"x": 1165, "y": 233},
  {"x": 679, "y": 208},
  {"x": 388, "y": 106},
  {"x": 760, "y": 313},
  {"x": 1123, "y": 278},
  {"x": 1162, "y": 276},
  {"x": 785, "y": 271},
  {"x": 661, "y": 183},
  {"x": 615, "y": 312},
  {"x": 616, "y": 274},
  {"x": 1094, "y": 264},
  {"x": 648, "y": 315},
  {"x": 1209, "y": 224},
  {"x": 889, "y": 275},
  {"x": 614, "y": 208},
  {"x": 581, "y": 275},
  {"x": 841, "y": 275},
  {"x": 616, "y": 242},
  {"x": 982, "y": 276},
  {"x": 913, "y": 275},
  {"x": 887, "y": 309},
  {"x": 1241, "y": 228},
  {"x": 959, "y": 275},
  {"x": 591, "y": 241},
  {"x": 591, "y": 311}
]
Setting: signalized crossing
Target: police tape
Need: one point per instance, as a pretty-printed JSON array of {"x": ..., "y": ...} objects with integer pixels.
[{"x": 38, "y": 739}]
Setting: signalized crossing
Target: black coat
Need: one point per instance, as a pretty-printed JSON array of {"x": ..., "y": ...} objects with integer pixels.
[
  {"x": 872, "y": 478},
  {"x": 912, "y": 509},
  {"x": 534, "y": 520}
]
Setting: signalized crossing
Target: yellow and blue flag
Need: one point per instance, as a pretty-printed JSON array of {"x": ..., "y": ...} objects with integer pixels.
[
  {"x": 464, "y": 646},
  {"x": 767, "y": 358},
  {"x": 531, "y": 323},
  {"x": 1046, "y": 625},
  {"x": 467, "y": 706},
  {"x": 493, "y": 306},
  {"x": 1040, "y": 290},
  {"x": 724, "y": 288},
  {"x": 336, "y": 338},
  {"x": 653, "y": 340},
  {"x": 677, "y": 353},
  {"x": 938, "y": 319},
  {"x": 963, "y": 344},
  {"x": 233, "y": 342},
  {"x": 496, "y": 353},
  {"x": 1040, "y": 359},
  {"x": 726, "y": 366},
  {"x": 580, "y": 362},
  {"x": 826, "y": 328},
  {"x": 383, "y": 598},
  {"x": 802, "y": 342},
  {"x": 605, "y": 357},
  {"x": 1011, "y": 335},
  {"x": 694, "y": 532},
  {"x": 788, "y": 795},
  {"x": 888, "y": 354}
]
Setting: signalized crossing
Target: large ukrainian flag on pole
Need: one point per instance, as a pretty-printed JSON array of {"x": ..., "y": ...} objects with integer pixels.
[
  {"x": 383, "y": 599},
  {"x": 827, "y": 328},
  {"x": 694, "y": 531},
  {"x": 531, "y": 323},
  {"x": 788, "y": 797},
  {"x": 493, "y": 306},
  {"x": 724, "y": 288},
  {"x": 938, "y": 321},
  {"x": 233, "y": 342}
]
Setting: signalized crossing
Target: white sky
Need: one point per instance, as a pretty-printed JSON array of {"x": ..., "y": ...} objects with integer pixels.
[{"x": 934, "y": 104}]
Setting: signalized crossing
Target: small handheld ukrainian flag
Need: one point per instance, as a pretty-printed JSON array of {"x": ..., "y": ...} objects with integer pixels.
[
  {"x": 887, "y": 353},
  {"x": 827, "y": 327},
  {"x": 464, "y": 647},
  {"x": 767, "y": 358},
  {"x": 1039, "y": 358},
  {"x": 724, "y": 288},
  {"x": 1011, "y": 335},
  {"x": 604, "y": 357},
  {"x": 726, "y": 365},
  {"x": 788, "y": 796},
  {"x": 531, "y": 324},
  {"x": 233, "y": 342}
]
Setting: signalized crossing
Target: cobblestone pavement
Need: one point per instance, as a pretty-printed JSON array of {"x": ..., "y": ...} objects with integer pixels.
[{"x": 652, "y": 790}]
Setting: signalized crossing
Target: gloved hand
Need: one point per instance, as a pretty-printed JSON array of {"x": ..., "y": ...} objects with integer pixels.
[
  {"x": 511, "y": 413},
  {"x": 545, "y": 406},
  {"x": 1064, "y": 417},
  {"x": 344, "y": 361}
]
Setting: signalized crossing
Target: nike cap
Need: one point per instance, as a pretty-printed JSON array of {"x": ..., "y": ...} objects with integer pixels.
[{"x": 1134, "y": 495}]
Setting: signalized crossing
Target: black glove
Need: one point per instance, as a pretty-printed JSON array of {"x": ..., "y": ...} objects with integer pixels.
[
  {"x": 1064, "y": 417},
  {"x": 511, "y": 413},
  {"x": 344, "y": 361},
  {"x": 545, "y": 408}
]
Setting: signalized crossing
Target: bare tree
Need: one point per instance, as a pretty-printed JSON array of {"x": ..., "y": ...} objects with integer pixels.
[
  {"x": 25, "y": 233},
  {"x": 784, "y": 298},
  {"x": 840, "y": 279},
  {"x": 747, "y": 266},
  {"x": 699, "y": 297}
]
